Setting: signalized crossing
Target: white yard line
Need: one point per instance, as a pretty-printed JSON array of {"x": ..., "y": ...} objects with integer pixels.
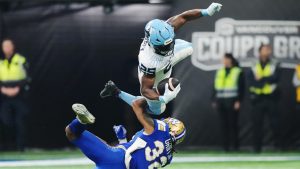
[
  {"x": 234, "y": 159},
  {"x": 191, "y": 159},
  {"x": 56, "y": 162}
]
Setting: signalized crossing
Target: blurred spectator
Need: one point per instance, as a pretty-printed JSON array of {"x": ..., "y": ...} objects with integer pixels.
[
  {"x": 227, "y": 95},
  {"x": 263, "y": 79},
  {"x": 296, "y": 82},
  {"x": 13, "y": 76}
]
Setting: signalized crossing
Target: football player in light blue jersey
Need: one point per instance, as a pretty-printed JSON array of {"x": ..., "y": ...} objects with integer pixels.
[
  {"x": 159, "y": 52},
  {"x": 150, "y": 148}
]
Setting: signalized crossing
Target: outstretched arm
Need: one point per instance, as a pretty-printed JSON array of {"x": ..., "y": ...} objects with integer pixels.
[
  {"x": 179, "y": 20},
  {"x": 139, "y": 110}
]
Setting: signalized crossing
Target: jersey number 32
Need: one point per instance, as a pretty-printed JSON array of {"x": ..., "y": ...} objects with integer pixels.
[{"x": 153, "y": 154}]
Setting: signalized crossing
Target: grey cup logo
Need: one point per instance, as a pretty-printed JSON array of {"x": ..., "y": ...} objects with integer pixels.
[{"x": 243, "y": 38}]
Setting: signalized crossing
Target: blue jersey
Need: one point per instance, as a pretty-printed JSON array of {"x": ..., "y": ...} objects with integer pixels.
[{"x": 149, "y": 151}]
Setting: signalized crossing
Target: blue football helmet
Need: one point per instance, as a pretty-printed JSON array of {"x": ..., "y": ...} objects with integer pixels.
[{"x": 160, "y": 36}]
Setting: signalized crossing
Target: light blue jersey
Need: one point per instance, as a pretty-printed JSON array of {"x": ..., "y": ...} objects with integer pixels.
[
  {"x": 149, "y": 151},
  {"x": 153, "y": 64},
  {"x": 159, "y": 66}
]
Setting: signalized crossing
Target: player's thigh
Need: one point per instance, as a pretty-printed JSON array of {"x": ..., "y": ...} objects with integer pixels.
[
  {"x": 155, "y": 107},
  {"x": 113, "y": 160},
  {"x": 95, "y": 148}
]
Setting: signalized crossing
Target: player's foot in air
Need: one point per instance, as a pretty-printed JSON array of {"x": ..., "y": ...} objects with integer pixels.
[
  {"x": 110, "y": 89},
  {"x": 83, "y": 115}
]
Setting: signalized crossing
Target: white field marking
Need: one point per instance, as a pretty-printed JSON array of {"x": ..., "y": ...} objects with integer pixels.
[
  {"x": 191, "y": 159},
  {"x": 54, "y": 162},
  {"x": 234, "y": 159}
]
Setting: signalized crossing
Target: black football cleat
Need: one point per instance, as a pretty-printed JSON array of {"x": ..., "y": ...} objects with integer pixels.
[{"x": 110, "y": 89}]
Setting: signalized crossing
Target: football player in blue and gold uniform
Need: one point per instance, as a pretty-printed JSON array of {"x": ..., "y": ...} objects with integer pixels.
[{"x": 151, "y": 148}]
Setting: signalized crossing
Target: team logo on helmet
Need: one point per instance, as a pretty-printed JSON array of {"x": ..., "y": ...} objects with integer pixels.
[
  {"x": 177, "y": 129},
  {"x": 167, "y": 42}
]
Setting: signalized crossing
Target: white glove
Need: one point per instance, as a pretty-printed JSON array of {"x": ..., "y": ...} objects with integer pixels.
[
  {"x": 169, "y": 95},
  {"x": 214, "y": 7}
]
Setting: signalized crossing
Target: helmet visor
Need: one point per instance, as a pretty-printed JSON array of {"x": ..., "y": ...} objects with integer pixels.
[{"x": 164, "y": 50}]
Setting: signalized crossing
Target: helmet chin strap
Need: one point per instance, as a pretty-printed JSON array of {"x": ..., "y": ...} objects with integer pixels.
[{"x": 173, "y": 141}]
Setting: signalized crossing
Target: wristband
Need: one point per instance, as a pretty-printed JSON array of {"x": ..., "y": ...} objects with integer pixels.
[{"x": 204, "y": 12}]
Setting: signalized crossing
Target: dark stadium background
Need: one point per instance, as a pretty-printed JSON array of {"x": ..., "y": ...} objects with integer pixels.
[{"x": 73, "y": 49}]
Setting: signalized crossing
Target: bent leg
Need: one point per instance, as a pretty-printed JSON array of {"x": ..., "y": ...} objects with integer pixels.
[
  {"x": 75, "y": 129},
  {"x": 155, "y": 107},
  {"x": 182, "y": 50},
  {"x": 126, "y": 97},
  {"x": 90, "y": 145}
]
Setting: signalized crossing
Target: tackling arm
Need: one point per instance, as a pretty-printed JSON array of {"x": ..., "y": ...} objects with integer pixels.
[{"x": 146, "y": 121}]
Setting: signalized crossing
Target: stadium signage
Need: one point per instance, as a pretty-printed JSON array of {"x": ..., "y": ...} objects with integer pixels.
[{"x": 243, "y": 38}]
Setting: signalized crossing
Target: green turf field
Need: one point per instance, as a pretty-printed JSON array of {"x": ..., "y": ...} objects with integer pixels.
[
  {"x": 288, "y": 164},
  {"x": 217, "y": 165}
]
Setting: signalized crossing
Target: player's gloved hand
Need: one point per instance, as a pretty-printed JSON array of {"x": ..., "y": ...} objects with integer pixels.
[
  {"x": 169, "y": 94},
  {"x": 212, "y": 9},
  {"x": 120, "y": 132}
]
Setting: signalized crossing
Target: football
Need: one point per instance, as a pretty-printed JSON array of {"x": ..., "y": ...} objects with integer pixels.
[{"x": 173, "y": 82}]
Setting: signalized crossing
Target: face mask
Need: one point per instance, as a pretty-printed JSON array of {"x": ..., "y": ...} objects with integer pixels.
[{"x": 164, "y": 50}]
